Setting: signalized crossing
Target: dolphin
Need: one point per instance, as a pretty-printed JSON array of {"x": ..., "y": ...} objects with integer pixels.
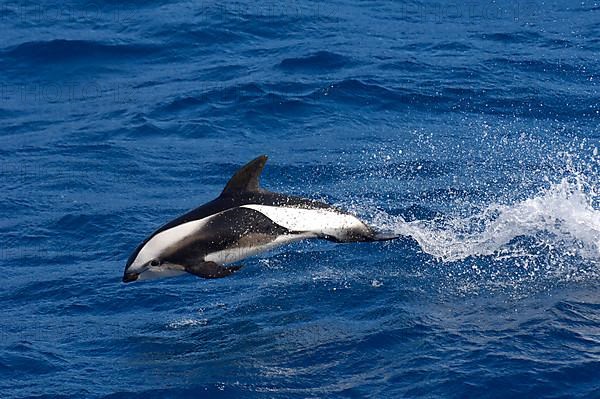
[{"x": 243, "y": 221}]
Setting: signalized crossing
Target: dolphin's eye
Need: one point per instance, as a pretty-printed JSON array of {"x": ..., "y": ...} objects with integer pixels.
[{"x": 154, "y": 262}]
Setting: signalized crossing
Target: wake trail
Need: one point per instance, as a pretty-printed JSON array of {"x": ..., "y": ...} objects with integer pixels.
[{"x": 561, "y": 217}]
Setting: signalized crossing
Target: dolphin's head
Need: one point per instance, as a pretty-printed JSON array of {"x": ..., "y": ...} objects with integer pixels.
[
  {"x": 152, "y": 259},
  {"x": 136, "y": 265},
  {"x": 140, "y": 267},
  {"x": 170, "y": 250}
]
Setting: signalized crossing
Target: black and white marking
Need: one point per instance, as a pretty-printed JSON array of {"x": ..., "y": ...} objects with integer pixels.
[{"x": 243, "y": 221}]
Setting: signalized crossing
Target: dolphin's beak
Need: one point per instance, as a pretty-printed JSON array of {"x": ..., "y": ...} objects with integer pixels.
[{"x": 129, "y": 277}]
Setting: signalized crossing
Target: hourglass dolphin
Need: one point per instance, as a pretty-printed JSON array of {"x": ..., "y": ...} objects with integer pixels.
[{"x": 243, "y": 221}]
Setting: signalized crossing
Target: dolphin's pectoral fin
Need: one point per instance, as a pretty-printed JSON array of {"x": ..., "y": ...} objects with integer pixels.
[{"x": 211, "y": 270}]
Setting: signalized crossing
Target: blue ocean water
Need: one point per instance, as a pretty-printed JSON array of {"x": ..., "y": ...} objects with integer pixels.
[{"x": 470, "y": 129}]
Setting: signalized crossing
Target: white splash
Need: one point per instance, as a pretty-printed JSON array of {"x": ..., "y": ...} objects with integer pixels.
[
  {"x": 187, "y": 323},
  {"x": 376, "y": 283},
  {"x": 559, "y": 216}
]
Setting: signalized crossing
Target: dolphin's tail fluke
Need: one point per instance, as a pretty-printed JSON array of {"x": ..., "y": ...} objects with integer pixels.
[
  {"x": 362, "y": 236},
  {"x": 384, "y": 236}
]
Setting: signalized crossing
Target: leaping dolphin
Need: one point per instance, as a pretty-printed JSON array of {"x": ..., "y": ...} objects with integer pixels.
[{"x": 243, "y": 221}]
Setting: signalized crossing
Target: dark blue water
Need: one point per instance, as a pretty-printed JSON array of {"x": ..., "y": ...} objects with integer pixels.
[{"x": 470, "y": 129}]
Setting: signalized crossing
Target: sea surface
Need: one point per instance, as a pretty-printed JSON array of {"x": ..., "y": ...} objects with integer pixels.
[{"x": 472, "y": 129}]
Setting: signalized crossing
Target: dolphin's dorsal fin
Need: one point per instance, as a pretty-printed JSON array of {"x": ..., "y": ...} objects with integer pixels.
[{"x": 247, "y": 178}]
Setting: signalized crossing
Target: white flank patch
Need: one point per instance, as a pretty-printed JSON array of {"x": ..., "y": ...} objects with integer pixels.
[
  {"x": 163, "y": 240},
  {"x": 234, "y": 254},
  {"x": 318, "y": 221}
]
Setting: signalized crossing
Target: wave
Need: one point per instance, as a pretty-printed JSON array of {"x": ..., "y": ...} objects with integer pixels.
[
  {"x": 293, "y": 98},
  {"x": 562, "y": 218},
  {"x": 513, "y": 37},
  {"x": 60, "y": 50},
  {"x": 318, "y": 62}
]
